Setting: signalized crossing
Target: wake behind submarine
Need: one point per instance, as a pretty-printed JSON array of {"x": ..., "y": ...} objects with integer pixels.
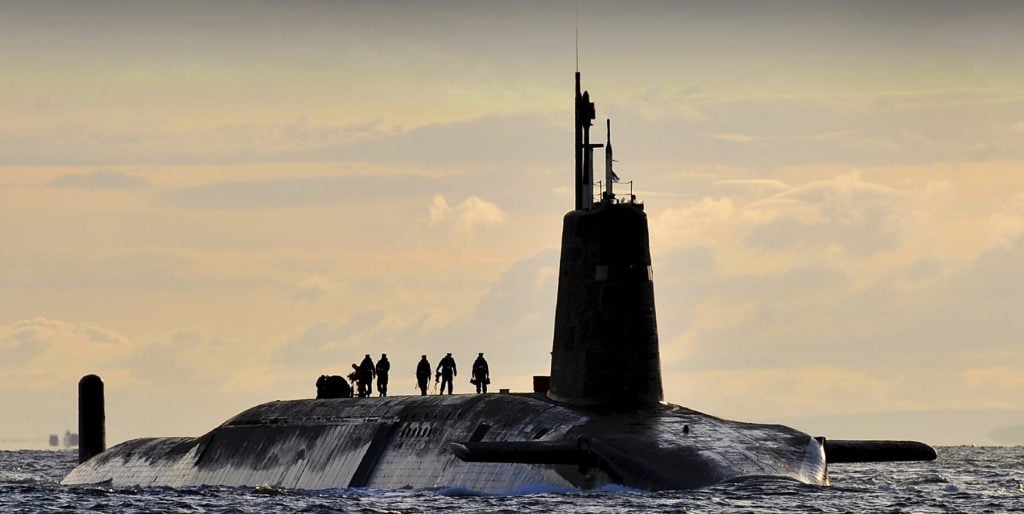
[{"x": 599, "y": 419}]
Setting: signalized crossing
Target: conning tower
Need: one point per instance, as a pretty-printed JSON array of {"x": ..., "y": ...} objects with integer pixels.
[{"x": 605, "y": 350}]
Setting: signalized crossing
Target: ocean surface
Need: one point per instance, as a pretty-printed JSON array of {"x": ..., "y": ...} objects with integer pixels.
[{"x": 963, "y": 479}]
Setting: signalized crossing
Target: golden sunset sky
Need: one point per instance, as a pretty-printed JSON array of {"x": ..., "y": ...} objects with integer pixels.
[{"x": 210, "y": 204}]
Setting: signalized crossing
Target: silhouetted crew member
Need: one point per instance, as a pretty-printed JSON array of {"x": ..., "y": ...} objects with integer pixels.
[
  {"x": 366, "y": 372},
  {"x": 356, "y": 380},
  {"x": 481, "y": 374},
  {"x": 383, "y": 367},
  {"x": 446, "y": 370},
  {"x": 423, "y": 374}
]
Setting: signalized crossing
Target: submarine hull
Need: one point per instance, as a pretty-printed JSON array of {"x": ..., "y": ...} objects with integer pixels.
[{"x": 504, "y": 443}]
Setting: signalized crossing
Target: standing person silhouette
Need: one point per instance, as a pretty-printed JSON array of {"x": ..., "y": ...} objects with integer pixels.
[
  {"x": 356, "y": 379},
  {"x": 446, "y": 370},
  {"x": 366, "y": 372},
  {"x": 423, "y": 374},
  {"x": 383, "y": 368},
  {"x": 481, "y": 374}
]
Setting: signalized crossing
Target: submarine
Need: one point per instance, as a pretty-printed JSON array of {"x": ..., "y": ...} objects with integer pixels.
[{"x": 598, "y": 419}]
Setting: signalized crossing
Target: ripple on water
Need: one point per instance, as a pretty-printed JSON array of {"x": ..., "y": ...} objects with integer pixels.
[{"x": 964, "y": 479}]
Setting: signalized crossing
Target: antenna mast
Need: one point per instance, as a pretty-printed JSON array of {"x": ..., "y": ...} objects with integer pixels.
[
  {"x": 585, "y": 113},
  {"x": 609, "y": 174},
  {"x": 577, "y": 37}
]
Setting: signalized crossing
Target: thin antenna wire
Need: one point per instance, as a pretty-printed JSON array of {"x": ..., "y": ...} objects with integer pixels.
[{"x": 577, "y": 36}]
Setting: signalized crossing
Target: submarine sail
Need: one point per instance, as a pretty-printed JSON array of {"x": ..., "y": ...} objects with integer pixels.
[{"x": 605, "y": 349}]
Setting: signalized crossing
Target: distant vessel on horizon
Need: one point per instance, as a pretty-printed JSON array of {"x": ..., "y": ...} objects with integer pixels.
[{"x": 70, "y": 440}]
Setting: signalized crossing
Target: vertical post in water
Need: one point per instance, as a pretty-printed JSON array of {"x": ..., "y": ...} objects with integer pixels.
[{"x": 92, "y": 437}]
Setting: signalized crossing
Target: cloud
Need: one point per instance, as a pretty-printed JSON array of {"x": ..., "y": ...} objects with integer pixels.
[
  {"x": 482, "y": 141},
  {"x": 913, "y": 274},
  {"x": 738, "y": 138},
  {"x": 512, "y": 322},
  {"x": 754, "y": 184},
  {"x": 471, "y": 213},
  {"x": 749, "y": 138},
  {"x": 789, "y": 390},
  {"x": 760, "y": 131},
  {"x": 993, "y": 378},
  {"x": 490, "y": 140},
  {"x": 314, "y": 288},
  {"x": 1008, "y": 222},
  {"x": 763, "y": 132},
  {"x": 332, "y": 342},
  {"x": 100, "y": 179},
  {"x": 527, "y": 287},
  {"x": 39, "y": 352},
  {"x": 194, "y": 359},
  {"x": 291, "y": 192},
  {"x": 771, "y": 225},
  {"x": 132, "y": 269}
]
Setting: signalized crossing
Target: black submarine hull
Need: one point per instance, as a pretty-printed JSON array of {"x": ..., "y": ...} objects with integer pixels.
[
  {"x": 496, "y": 443},
  {"x": 601, "y": 422}
]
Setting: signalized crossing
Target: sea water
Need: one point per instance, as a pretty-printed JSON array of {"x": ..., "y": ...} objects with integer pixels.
[{"x": 963, "y": 479}]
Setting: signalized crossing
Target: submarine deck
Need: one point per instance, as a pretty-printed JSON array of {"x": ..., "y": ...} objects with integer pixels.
[{"x": 409, "y": 441}]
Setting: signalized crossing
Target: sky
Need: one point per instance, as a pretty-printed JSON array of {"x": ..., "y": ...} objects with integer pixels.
[{"x": 210, "y": 204}]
